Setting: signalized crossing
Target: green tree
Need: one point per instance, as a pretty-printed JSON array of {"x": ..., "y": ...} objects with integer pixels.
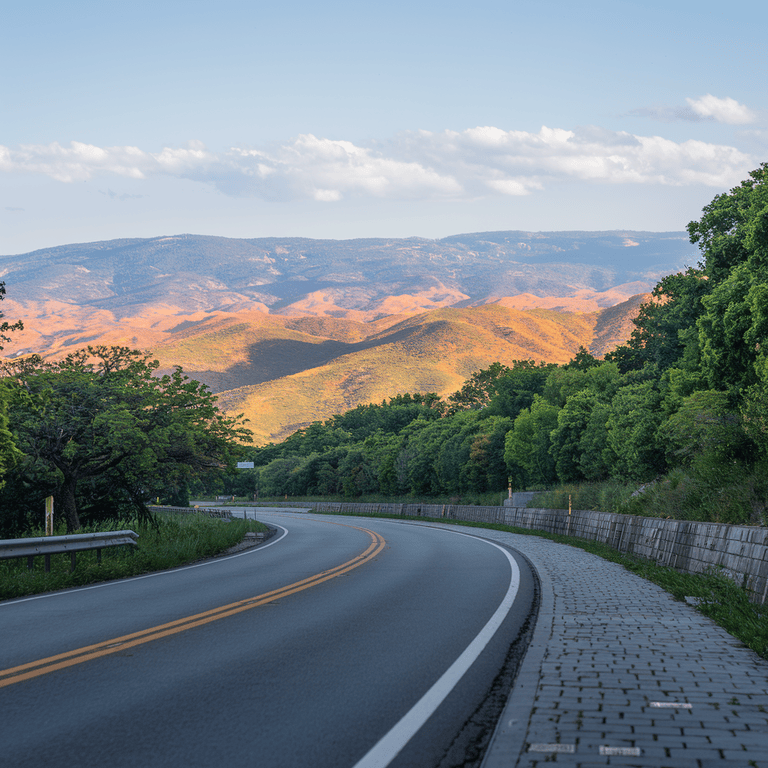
[
  {"x": 479, "y": 388},
  {"x": 632, "y": 429},
  {"x": 9, "y": 453},
  {"x": 527, "y": 444},
  {"x": 104, "y": 427},
  {"x": 515, "y": 390},
  {"x": 5, "y": 326},
  {"x": 733, "y": 226},
  {"x": 733, "y": 237},
  {"x": 665, "y": 325},
  {"x": 572, "y": 421},
  {"x": 704, "y": 434}
]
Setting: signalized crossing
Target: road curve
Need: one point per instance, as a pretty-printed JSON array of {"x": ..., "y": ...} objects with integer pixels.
[{"x": 342, "y": 642}]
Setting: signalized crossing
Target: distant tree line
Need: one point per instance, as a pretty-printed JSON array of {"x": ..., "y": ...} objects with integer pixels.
[{"x": 684, "y": 402}]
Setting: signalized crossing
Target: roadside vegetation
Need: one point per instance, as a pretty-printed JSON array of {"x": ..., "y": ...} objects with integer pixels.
[
  {"x": 104, "y": 435},
  {"x": 168, "y": 542}
]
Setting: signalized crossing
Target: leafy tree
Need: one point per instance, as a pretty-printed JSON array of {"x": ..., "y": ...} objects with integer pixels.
[
  {"x": 479, "y": 388},
  {"x": 515, "y": 391},
  {"x": 9, "y": 453},
  {"x": 632, "y": 431},
  {"x": 527, "y": 445},
  {"x": 754, "y": 410},
  {"x": 597, "y": 458},
  {"x": 664, "y": 325},
  {"x": 733, "y": 237},
  {"x": 733, "y": 226},
  {"x": 572, "y": 421},
  {"x": 583, "y": 360},
  {"x": 704, "y": 433},
  {"x": 602, "y": 380},
  {"x": 104, "y": 429}
]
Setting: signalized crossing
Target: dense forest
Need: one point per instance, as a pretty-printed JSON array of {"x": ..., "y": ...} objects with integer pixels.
[
  {"x": 681, "y": 409},
  {"x": 674, "y": 423}
]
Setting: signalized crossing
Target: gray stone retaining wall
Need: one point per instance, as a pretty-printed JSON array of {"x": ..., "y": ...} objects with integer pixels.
[{"x": 740, "y": 551}]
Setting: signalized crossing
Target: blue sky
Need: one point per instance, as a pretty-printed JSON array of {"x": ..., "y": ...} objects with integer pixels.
[{"x": 341, "y": 119}]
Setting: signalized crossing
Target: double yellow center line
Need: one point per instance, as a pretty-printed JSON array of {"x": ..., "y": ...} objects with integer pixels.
[{"x": 117, "y": 644}]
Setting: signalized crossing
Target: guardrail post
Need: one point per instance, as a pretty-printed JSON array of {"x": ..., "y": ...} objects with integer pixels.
[{"x": 47, "y": 563}]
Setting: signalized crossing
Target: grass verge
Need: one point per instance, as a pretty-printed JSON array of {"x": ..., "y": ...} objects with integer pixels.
[
  {"x": 175, "y": 541},
  {"x": 720, "y": 598}
]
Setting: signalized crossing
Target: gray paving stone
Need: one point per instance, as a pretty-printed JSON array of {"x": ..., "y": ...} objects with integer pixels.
[{"x": 608, "y": 643}]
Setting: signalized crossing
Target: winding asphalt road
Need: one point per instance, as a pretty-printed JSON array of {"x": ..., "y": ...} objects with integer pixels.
[{"x": 342, "y": 642}]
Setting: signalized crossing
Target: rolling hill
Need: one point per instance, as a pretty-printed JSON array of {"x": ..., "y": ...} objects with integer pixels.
[{"x": 293, "y": 330}]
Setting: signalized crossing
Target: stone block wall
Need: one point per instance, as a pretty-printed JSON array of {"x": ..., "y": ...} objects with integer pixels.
[{"x": 740, "y": 551}]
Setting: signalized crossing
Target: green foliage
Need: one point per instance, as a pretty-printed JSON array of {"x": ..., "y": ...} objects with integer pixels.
[
  {"x": 479, "y": 388},
  {"x": 103, "y": 434},
  {"x": 661, "y": 336},
  {"x": 5, "y": 326},
  {"x": 528, "y": 443},
  {"x": 632, "y": 425},
  {"x": 515, "y": 391}
]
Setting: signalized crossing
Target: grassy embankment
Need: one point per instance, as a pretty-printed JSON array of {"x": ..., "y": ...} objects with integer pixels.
[
  {"x": 175, "y": 541},
  {"x": 679, "y": 496}
]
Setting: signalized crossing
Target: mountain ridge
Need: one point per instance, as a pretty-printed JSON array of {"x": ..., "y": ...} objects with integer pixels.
[{"x": 258, "y": 320}]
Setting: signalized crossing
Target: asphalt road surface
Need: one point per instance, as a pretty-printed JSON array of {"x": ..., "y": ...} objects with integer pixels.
[{"x": 342, "y": 642}]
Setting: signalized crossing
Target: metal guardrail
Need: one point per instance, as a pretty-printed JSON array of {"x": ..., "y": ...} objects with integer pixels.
[
  {"x": 11, "y": 549},
  {"x": 217, "y": 512}
]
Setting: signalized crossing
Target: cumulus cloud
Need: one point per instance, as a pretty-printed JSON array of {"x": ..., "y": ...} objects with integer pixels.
[
  {"x": 707, "y": 107},
  {"x": 723, "y": 110},
  {"x": 474, "y": 163}
]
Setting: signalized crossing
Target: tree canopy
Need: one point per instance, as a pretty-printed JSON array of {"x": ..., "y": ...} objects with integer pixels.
[{"x": 100, "y": 428}]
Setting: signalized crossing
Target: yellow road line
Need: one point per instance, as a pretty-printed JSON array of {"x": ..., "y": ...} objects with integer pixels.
[{"x": 78, "y": 656}]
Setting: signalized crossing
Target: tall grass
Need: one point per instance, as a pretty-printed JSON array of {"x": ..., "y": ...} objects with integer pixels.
[
  {"x": 174, "y": 541},
  {"x": 737, "y": 499},
  {"x": 608, "y": 496}
]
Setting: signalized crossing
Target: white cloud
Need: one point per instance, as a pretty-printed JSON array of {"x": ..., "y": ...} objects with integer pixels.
[
  {"x": 473, "y": 163},
  {"x": 723, "y": 110}
]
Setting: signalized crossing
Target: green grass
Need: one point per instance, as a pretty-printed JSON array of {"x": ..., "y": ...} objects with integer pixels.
[
  {"x": 736, "y": 496},
  {"x": 724, "y": 601},
  {"x": 175, "y": 541}
]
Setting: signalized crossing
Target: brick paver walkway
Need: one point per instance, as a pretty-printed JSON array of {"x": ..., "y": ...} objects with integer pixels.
[{"x": 620, "y": 673}]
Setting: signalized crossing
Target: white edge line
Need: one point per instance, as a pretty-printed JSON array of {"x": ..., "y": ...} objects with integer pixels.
[
  {"x": 116, "y": 582},
  {"x": 390, "y": 745}
]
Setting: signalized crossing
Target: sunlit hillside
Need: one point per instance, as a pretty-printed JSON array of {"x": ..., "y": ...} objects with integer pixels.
[
  {"x": 293, "y": 330},
  {"x": 314, "y": 377}
]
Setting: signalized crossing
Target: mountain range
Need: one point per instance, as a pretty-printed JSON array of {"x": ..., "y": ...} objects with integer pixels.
[{"x": 291, "y": 330}]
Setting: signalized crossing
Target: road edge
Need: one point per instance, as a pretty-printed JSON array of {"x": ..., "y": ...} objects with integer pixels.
[{"x": 509, "y": 738}]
